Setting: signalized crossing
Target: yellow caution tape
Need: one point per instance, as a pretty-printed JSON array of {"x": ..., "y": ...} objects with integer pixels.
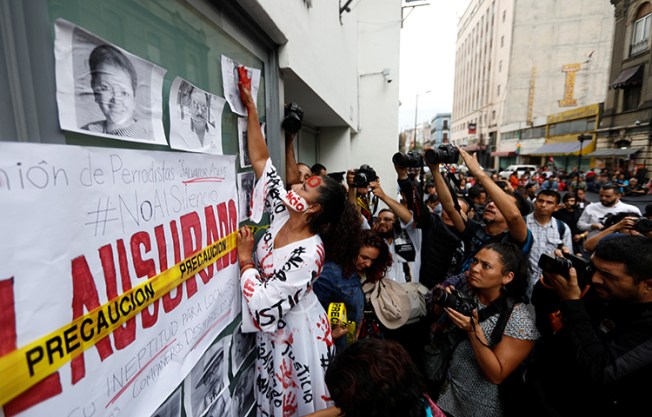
[
  {"x": 337, "y": 315},
  {"x": 26, "y": 366}
]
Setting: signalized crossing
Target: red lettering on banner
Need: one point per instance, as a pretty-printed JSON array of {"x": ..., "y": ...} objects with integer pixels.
[
  {"x": 145, "y": 267},
  {"x": 170, "y": 302},
  {"x": 84, "y": 294},
  {"x": 86, "y": 298}
]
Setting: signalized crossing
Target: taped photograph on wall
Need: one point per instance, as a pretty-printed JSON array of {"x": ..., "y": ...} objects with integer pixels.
[
  {"x": 241, "y": 348},
  {"x": 231, "y": 76},
  {"x": 171, "y": 407},
  {"x": 207, "y": 380},
  {"x": 195, "y": 118},
  {"x": 103, "y": 90},
  {"x": 243, "y": 394},
  {"x": 246, "y": 182}
]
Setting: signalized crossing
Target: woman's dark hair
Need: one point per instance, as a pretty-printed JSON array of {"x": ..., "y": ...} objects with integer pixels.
[
  {"x": 338, "y": 222},
  {"x": 378, "y": 268},
  {"x": 376, "y": 378},
  {"x": 513, "y": 260},
  {"x": 110, "y": 55}
]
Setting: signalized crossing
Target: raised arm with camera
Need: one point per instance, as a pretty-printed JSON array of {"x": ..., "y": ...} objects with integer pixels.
[
  {"x": 502, "y": 201},
  {"x": 399, "y": 209},
  {"x": 445, "y": 197}
]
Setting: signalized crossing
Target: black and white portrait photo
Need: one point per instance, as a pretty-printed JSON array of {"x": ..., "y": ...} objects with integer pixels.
[
  {"x": 195, "y": 118},
  {"x": 171, "y": 407},
  {"x": 242, "y": 345},
  {"x": 243, "y": 394},
  {"x": 207, "y": 380},
  {"x": 245, "y": 194},
  {"x": 103, "y": 90},
  {"x": 245, "y": 162},
  {"x": 221, "y": 407}
]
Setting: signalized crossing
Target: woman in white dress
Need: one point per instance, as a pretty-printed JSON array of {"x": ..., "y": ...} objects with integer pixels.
[{"x": 293, "y": 336}]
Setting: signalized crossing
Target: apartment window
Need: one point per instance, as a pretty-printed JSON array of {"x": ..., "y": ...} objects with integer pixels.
[
  {"x": 493, "y": 115},
  {"x": 445, "y": 125},
  {"x": 502, "y": 41},
  {"x": 641, "y": 30},
  {"x": 444, "y": 138},
  {"x": 631, "y": 97},
  {"x": 498, "y": 93},
  {"x": 504, "y": 15},
  {"x": 500, "y": 65}
]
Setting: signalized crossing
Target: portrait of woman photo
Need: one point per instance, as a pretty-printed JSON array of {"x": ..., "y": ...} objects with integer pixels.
[{"x": 114, "y": 82}]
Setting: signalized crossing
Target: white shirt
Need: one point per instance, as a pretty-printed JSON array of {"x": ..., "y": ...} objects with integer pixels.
[
  {"x": 396, "y": 272},
  {"x": 597, "y": 213}
]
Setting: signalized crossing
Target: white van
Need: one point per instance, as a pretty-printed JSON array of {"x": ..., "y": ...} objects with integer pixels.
[{"x": 520, "y": 170}]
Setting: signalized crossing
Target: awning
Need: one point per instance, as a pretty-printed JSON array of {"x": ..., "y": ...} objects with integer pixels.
[
  {"x": 510, "y": 153},
  {"x": 628, "y": 76},
  {"x": 563, "y": 148},
  {"x": 474, "y": 148},
  {"x": 614, "y": 152}
]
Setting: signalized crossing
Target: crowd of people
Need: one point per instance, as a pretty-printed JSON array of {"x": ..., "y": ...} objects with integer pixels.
[{"x": 345, "y": 299}]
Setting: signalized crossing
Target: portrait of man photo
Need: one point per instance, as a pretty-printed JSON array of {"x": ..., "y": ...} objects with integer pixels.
[
  {"x": 242, "y": 345},
  {"x": 243, "y": 394},
  {"x": 245, "y": 190},
  {"x": 195, "y": 118},
  {"x": 171, "y": 407},
  {"x": 206, "y": 382}
]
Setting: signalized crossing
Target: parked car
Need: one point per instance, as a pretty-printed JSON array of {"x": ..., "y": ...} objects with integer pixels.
[{"x": 520, "y": 170}]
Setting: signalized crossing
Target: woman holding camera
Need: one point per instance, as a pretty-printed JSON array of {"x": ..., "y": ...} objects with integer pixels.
[
  {"x": 293, "y": 337},
  {"x": 495, "y": 283}
]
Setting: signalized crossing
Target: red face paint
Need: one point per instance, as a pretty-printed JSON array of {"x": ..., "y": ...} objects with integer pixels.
[{"x": 313, "y": 182}]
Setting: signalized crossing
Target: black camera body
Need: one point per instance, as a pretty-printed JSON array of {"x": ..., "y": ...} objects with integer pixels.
[
  {"x": 412, "y": 159},
  {"x": 643, "y": 225},
  {"x": 562, "y": 265},
  {"x": 363, "y": 176},
  {"x": 443, "y": 154},
  {"x": 292, "y": 118},
  {"x": 455, "y": 300}
]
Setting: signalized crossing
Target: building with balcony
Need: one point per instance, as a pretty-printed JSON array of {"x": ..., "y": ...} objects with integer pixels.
[{"x": 625, "y": 131}]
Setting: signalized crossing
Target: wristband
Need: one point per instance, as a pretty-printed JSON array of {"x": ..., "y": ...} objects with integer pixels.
[{"x": 246, "y": 262}]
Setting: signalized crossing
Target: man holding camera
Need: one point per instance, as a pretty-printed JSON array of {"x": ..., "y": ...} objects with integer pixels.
[
  {"x": 503, "y": 215},
  {"x": 549, "y": 234},
  {"x": 599, "y": 363},
  {"x": 594, "y": 215}
]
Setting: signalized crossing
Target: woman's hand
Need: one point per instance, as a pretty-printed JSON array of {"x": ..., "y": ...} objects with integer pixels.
[
  {"x": 466, "y": 323},
  {"x": 245, "y": 243},
  {"x": 338, "y": 330},
  {"x": 244, "y": 84}
]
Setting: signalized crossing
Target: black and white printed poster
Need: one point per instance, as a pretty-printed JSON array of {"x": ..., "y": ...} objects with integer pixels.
[{"x": 103, "y": 90}]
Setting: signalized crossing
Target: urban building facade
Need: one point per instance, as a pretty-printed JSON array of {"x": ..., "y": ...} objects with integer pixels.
[
  {"x": 518, "y": 63},
  {"x": 625, "y": 133},
  {"x": 440, "y": 129}
]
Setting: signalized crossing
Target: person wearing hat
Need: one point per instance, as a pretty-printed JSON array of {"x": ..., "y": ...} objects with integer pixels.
[
  {"x": 496, "y": 282},
  {"x": 210, "y": 382}
]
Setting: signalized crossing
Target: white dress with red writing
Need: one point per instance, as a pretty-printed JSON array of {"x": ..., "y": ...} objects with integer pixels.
[{"x": 293, "y": 340}]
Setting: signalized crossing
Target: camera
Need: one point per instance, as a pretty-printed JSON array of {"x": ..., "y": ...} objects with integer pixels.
[
  {"x": 411, "y": 159},
  {"x": 444, "y": 154},
  {"x": 643, "y": 225},
  {"x": 562, "y": 265},
  {"x": 455, "y": 300},
  {"x": 293, "y": 118},
  {"x": 363, "y": 176}
]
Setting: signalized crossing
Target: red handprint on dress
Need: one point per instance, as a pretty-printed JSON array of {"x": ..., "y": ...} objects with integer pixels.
[
  {"x": 248, "y": 289},
  {"x": 286, "y": 376},
  {"x": 326, "y": 327},
  {"x": 290, "y": 405}
]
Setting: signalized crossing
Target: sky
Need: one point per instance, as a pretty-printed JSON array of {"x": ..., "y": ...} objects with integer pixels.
[{"x": 427, "y": 61}]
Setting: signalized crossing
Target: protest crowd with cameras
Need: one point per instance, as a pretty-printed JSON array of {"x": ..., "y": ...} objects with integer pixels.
[{"x": 495, "y": 297}]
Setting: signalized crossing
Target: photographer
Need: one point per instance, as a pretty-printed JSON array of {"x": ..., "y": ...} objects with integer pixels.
[
  {"x": 358, "y": 181},
  {"x": 500, "y": 332},
  {"x": 440, "y": 239},
  {"x": 503, "y": 215},
  {"x": 599, "y": 363},
  {"x": 621, "y": 223}
]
